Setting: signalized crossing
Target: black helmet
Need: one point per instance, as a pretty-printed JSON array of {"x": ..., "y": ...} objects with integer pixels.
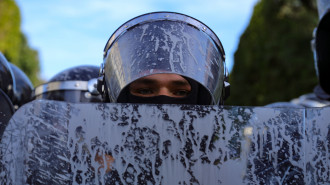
[
  {"x": 164, "y": 42},
  {"x": 77, "y": 84},
  {"x": 24, "y": 88},
  {"x": 7, "y": 82},
  {"x": 6, "y": 111},
  {"x": 321, "y": 45}
]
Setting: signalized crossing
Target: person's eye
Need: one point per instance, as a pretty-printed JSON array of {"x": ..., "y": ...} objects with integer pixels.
[
  {"x": 181, "y": 93},
  {"x": 144, "y": 91}
]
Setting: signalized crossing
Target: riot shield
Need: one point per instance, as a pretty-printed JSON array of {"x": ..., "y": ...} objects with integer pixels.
[{"x": 52, "y": 142}]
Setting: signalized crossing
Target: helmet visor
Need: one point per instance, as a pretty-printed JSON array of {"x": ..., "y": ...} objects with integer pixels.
[{"x": 164, "y": 46}]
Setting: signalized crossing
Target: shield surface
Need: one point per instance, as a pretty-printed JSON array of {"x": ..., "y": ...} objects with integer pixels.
[{"x": 52, "y": 142}]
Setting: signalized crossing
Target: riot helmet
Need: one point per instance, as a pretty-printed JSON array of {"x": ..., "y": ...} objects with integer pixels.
[
  {"x": 24, "y": 88},
  {"x": 321, "y": 45},
  {"x": 76, "y": 84},
  {"x": 164, "y": 43},
  {"x": 7, "y": 82},
  {"x": 6, "y": 111}
]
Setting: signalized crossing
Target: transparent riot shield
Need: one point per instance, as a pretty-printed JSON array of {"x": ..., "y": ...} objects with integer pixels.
[{"x": 51, "y": 142}]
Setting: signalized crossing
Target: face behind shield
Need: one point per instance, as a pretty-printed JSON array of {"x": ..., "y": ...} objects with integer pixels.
[
  {"x": 165, "y": 42},
  {"x": 321, "y": 45}
]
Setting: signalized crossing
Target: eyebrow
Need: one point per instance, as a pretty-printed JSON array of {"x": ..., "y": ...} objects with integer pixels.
[{"x": 152, "y": 81}]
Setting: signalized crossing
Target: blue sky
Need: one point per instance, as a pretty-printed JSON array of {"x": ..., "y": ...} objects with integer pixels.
[{"x": 68, "y": 33}]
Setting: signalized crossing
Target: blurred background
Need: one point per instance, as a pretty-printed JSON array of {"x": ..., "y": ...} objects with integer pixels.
[{"x": 267, "y": 42}]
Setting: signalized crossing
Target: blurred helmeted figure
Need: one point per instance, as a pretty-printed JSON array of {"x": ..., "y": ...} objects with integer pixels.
[
  {"x": 14, "y": 83},
  {"x": 16, "y": 90},
  {"x": 7, "y": 79},
  {"x": 7, "y": 85},
  {"x": 320, "y": 47},
  {"x": 75, "y": 85},
  {"x": 164, "y": 57},
  {"x": 23, "y": 89}
]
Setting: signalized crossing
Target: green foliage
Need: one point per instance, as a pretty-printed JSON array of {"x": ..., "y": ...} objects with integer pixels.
[
  {"x": 274, "y": 61},
  {"x": 29, "y": 61},
  {"x": 9, "y": 29},
  {"x": 13, "y": 43}
]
